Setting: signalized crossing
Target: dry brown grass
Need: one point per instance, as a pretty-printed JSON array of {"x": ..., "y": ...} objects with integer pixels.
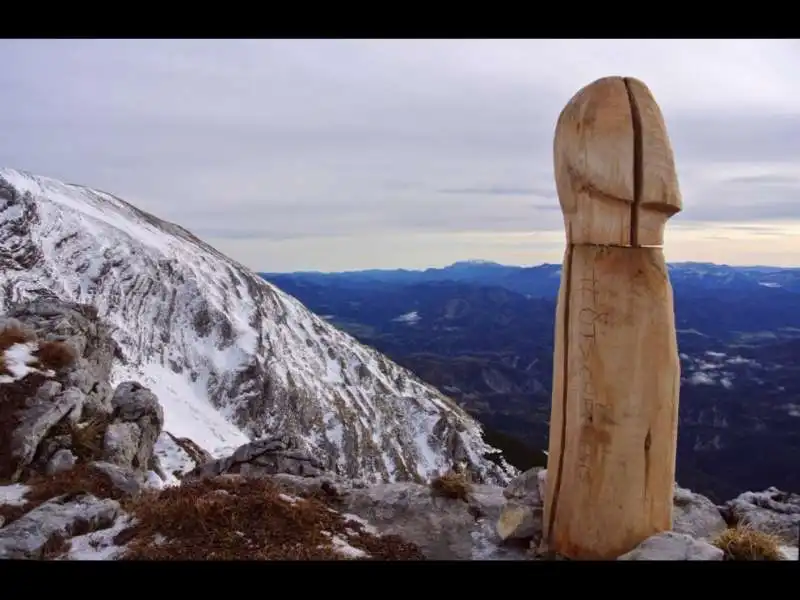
[
  {"x": 75, "y": 482},
  {"x": 10, "y": 336},
  {"x": 81, "y": 479},
  {"x": 244, "y": 519},
  {"x": 48, "y": 355},
  {"x": 451, "y": 485},
  {"x": 745, "y": 543},
  {"x": 54, "y": 355},
  {"x": 87, "y": 439},
  {"x": 11, "y": 512},
  {"x": 56, "y": 546}
]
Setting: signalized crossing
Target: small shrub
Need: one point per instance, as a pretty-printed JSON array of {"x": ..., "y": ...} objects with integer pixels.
[
  {"x": 451, "y": 485},
  {"x": 745, "y": 543},
  {"x": 81, "y": 479},
  {"x": 54, "y": 355},
  {"x": 87, "y": 440},
  {"x": 12, "y": 335}
]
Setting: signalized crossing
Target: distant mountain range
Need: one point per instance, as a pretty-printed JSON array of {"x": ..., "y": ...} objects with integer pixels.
[
  {"x": 483, "y": 334},
  {"x": 542, "y": 280}
]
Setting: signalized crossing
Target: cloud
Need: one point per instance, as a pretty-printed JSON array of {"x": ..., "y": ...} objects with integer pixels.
[
  {"x": 261, "y": 145},
  {"x": 499, "y": 190}
]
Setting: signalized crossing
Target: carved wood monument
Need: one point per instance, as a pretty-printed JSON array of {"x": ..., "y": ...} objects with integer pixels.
[{"x": 616, "y": 373}]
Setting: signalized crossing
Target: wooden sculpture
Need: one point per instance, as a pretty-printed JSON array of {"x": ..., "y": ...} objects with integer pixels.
[{"x": 616, "y": 373}]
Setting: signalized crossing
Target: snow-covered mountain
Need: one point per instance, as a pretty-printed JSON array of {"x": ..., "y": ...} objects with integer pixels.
[{"x": 230, "y": 356}]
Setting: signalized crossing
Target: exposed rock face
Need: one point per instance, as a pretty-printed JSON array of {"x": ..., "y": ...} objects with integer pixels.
[
  {"x": 696, "y": 520},
  {"x": 59, "y": 427},
  {"x": 673, "y": 546},
  {"x": 65, "y": 517},
  {"x": 264, "y": 457},
  {"x": 56, "y": 420},
  {"x": 695, "y": 515},
  {"x": 443, "y": 528},
  {"x": 771, "y": 511},
  {"x": 196, "y": 327},
  {"x": 137, "y": 423},
  {"x": 55, "y": 430},
  {"x": 521, "y": 517}
]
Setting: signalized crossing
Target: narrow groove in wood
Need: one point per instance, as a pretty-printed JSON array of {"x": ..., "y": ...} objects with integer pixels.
[
  {"x": 648, "y": 441},
  {"x": 638, "y": 165},
  {"x": 567, "y": 278}
]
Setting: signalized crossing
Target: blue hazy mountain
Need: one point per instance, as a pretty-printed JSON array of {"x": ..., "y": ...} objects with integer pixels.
[{"x": 483, "y": 333}]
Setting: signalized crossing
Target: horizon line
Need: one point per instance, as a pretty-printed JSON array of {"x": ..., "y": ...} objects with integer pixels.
[{"x": 478, "y": 262}]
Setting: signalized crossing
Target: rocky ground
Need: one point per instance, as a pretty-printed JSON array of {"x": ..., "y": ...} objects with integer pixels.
[{"x": 83, "y": 476}]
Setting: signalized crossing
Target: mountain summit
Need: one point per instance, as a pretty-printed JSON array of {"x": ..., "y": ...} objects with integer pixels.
[{"x": 230, "y": 356}]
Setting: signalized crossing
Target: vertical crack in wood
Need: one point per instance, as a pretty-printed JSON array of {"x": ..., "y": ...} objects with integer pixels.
[
  {"x": 567, "y": 278},
  {"x": 638, "y": 166},
  {"x": 648, "y": 440}
]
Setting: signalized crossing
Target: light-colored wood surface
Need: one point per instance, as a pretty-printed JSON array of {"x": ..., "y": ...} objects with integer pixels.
[
  {"x": 616, "y": 372},
  {"x": 595, "y": 151}
]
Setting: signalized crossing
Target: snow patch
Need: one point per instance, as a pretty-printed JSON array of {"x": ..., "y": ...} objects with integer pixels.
[
  {"x": 363, "y": 522},
  {"x": 791, "y": 552},
  {"x": 701, "y": 378},
  {"x": 187, "y": 411},
  {"x": 172, "y": 458},
  {"x": 409, "y": 317},
  {"x": 205, "y": 334},
  {"x": 99, "y": 545},
  {"x": 13, "y": 495},
  {"x": 19, "y": 362},
  {"x": 341, "y": 546}
]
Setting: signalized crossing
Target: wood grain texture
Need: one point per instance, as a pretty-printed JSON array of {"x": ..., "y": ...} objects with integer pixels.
[
  {"x": 596, "y": 163},
  {"x": 616, "y": 372}
]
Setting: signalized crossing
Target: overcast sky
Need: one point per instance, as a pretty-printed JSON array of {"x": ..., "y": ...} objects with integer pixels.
[{"x": 337, "y": 154}]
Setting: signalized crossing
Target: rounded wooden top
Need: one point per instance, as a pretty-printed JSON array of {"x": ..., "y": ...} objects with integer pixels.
[{"x": 614, "y": 166}]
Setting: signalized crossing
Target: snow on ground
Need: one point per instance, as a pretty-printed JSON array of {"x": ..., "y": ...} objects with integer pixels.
[
  {"x": 187, "y": 411},
  {"x": 13, "y": 495},
  {"x": 409, "y": 317},
  {"x": 153, "y": 283},
  {"x": 341, "y": 546},
  {"x": 19, "y": 359},
  {"x": 791, "y": 552},
  {"x": 701, "y": 378},
  {"x": 98, "y": 545},
  {"x": 363, "y": 522},
  {"x": 172, "y": 458}
]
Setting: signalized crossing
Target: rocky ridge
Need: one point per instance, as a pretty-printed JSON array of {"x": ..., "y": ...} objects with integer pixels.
[
  {"x": 230, "y": 357},
  {"x": 83, "y": 477}
]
